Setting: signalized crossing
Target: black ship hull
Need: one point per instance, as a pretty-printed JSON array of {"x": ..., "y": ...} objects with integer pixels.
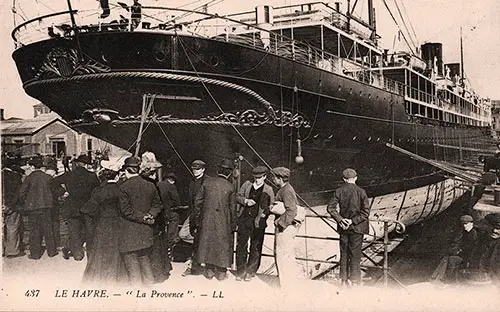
[{"x": 212, "y": 101}]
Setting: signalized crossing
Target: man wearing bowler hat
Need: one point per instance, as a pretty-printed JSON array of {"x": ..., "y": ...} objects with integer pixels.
[
  {"x": 255, "y": 198},
  {"x": 139, "y": 204},
  {"x": 350, "y": 208},
  {"x": 217, "y": 202},
  {"x": 35, "y": 195},
  {"x": 79, "y": 184}
]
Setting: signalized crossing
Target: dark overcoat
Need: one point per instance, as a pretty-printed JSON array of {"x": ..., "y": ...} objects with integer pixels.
[
  {"x": 168, "y": 194},
  {"x": 11, "y": 182},
  {"x": 105, "y": 264},
  {"x": 354, "y": 205},
  {"x": 79, "y": 183},
  {"x": 217, "y": 202},
  {"x": 35, "y": 192},
  {"x": 138, "y": 197},
  {"x": 194, "y": 212}
]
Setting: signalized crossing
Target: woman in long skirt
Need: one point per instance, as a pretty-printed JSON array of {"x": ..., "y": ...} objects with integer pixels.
[
  {"x": 160, "y": 258},
  {"x": 105, "y": 264}
]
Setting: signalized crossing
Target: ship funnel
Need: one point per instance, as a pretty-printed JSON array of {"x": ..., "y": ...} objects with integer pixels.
[
  {"x": 337, "y": 6},
  {"x": 264, "y": 20},
  {"x": 264, "y": 15},
  {"x": 453, "y": 69},
  {"x": 432, "y": 54}
]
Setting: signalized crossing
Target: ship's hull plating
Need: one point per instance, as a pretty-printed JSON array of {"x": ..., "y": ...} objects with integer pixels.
[{"x": 213, "y": 105}]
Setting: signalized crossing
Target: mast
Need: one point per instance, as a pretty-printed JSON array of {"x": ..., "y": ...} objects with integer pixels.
[
  {"x": 371, "y": 20},
  {"x": 462, "y": 58},
  {"x": 75, "y": 29},
  {"x": 462, "y": 63},
  {"x": 348, "y": 16},
  {"x": 14, "y": 12}
]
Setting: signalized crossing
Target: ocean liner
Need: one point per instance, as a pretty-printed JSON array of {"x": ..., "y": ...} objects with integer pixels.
[{"x": 304, "y": 86}]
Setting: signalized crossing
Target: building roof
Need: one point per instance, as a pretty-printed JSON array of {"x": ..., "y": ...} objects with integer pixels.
[{"x": 28, "y": 126}]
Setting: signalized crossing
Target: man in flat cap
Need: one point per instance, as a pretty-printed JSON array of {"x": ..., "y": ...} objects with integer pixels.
[
  {"x": 350, "y": 208},
  {"x": 217, "y": 202},
  {"x": 35, "y": 195},
  {"x": 79, "y": 184},
  {"x": 193, "y": 221},
  {"x": 139, "y": 204},
  {"x": 255, "y": 199},
  {"x": 285, "y": 229},
  {"x": 464, "y": 252}
]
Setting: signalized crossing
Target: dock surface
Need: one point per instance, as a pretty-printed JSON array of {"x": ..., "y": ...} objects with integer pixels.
[{"x": 413, "y": 263}]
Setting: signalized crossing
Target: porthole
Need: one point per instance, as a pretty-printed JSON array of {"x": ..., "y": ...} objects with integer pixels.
[{"x": 214, "y": 60}]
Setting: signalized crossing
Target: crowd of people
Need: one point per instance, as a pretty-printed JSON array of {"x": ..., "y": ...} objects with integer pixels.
[
  {"x": 122, "y": 218},
  {"x": 474, "y": 251}
]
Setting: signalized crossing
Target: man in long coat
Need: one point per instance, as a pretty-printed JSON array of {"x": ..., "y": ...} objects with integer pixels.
[
  {"x": 199, "y": 176},
  {"x": 170, "y": 199},
  {"x": 35, "y": 195},
  {"x": 79, "y": 184},
  {"x": 217, "y": 202},
  {"x": 139, "y": 204},
  {"x": 11, "y": 182}
]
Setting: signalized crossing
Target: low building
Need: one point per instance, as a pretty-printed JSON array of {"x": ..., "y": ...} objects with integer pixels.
[{"x": 48, "y": 134}]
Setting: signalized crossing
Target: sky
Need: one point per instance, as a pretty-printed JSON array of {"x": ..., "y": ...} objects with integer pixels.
[{"x": 431, "y": 20}]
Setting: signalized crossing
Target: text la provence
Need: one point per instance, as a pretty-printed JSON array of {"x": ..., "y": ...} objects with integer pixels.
[{"x": 102, "y": 293}]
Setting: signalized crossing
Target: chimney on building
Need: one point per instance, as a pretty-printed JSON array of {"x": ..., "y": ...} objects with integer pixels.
[{"x": 2, "y": 117}]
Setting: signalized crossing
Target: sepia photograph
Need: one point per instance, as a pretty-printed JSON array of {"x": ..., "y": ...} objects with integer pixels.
[{"x": 267, "y": 155}]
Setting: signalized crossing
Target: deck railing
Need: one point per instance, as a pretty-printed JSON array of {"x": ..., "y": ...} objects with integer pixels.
[
  {"x": 223, "y": 28},
  {"x": 185, "y": 22}
]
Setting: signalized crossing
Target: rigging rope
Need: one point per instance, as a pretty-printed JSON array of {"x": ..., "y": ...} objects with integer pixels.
[
  {"x": 220, "y": 108},
  {"x": 228, "y": 72},
  {"x": 317, "y": 107},
  {"x": 146, "y": 109},
  {"x": 245, "y": 140},
  {"x": 409, "y": 21},
  {"x": 173, "y": 148},
  {"x": 394, "y": 19},
  {"x": 283, "y": 155},
  {"x": 404, "y": 24}
]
